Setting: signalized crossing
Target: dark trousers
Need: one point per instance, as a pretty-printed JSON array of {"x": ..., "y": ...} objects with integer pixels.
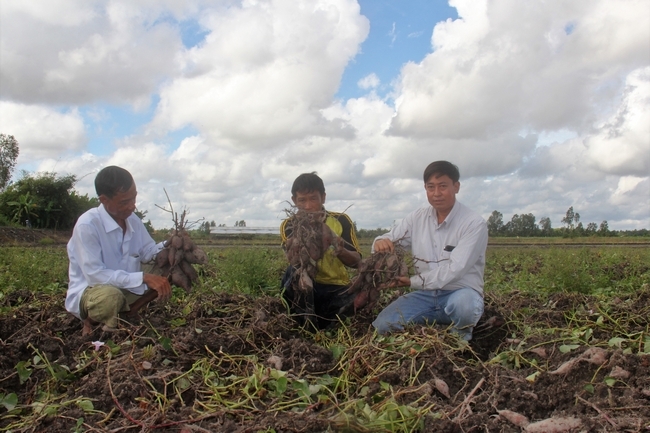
[{"x": 321, "y": 307}]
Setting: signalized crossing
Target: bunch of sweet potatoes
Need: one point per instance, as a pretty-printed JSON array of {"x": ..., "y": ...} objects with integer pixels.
[
  {"x": 310, "y": 238},
  {"x": 176, "y": 259},
  {"x": 375, "y": 273}
]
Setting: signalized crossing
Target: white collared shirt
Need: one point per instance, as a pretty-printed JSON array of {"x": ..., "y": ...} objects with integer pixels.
[
  {"x": 101, "y": 253},
  {"x": 464, "y": 232}
]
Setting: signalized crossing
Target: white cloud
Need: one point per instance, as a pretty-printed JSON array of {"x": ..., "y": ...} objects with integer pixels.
[
  {"x": 496, "y": 68},
  {"x": 543, "y": 105},
  {"x": 265, "y": 71},
  {"x": 75, "y": 52},
  {"x": 41, "y": 131},
  {"x": 370, "y": 81},
  {"x": 622, "y": 144}
]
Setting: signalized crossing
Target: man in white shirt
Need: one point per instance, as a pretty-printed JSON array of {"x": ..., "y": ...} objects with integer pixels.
[
  {"x": 108, "y": 245},
  {"x": 448, "y": 242}
]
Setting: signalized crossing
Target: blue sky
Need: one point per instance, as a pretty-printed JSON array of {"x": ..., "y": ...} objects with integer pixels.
[
  {"x": 400, "y": 31},
  {"x": 542, "y": 105}
]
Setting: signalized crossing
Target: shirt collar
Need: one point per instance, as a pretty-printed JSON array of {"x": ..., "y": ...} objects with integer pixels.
[
  {"x": 452, "y": 213},
  {"x": 109, "y": 223}
]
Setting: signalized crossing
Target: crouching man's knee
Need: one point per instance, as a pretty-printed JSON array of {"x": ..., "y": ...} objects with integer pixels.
[{"x": 103, "y": 304}]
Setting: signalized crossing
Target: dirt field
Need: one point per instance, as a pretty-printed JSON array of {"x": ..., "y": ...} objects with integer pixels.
[
  {"x": 219, "y": 362},
  {"x": 125, "y": 385}
]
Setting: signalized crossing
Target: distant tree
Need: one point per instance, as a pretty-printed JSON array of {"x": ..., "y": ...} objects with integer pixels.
[
  {"x": 213, "y": 224},
  {"x": 571, "y": 219},
  {"x": 591, "y": 228},
  {"x": 8, "y": 157},
  {"x": 603, "y": 230},
  {"x": 545, "y": 228},
  {"x": 528, "y": 225},
  {"x": 495, "y": 223},
  {"x": 24, "y": 209},
  {"x": 51, "y": 198},
  {"x": 370, "y": 234},
  {"x": 142, "y": 215}
]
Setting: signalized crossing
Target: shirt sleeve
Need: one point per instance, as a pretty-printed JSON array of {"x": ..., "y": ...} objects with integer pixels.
[
  {"x": 401, "y": 234},
  {"x": 348, "y": 234},
  {"x": 148, "y": 247},
  {"x": 462, "y": 258},
  {"x": 88, "y": 255}
]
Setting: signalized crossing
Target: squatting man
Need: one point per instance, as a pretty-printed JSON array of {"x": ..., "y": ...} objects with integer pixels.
[
  {"x": 448, "y": 242},
  {"x": 330, "y": 302},
  {"x": 108, "y": 246}
]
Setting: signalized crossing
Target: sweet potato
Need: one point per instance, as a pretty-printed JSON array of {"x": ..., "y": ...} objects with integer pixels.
[
  {"x": 176, "y": 241},
  {"x": 180, "y": 279},
  {"x": 171, "y": 255},
  {"x": 162, "y": 258},
  {"x": 189, "y": 270},
  {"x": 554, "y": 425}
]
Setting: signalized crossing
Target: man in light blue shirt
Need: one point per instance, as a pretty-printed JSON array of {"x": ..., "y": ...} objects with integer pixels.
[
  {"x": 448, "y": 242},
  {"x": 108, "y": 245}
]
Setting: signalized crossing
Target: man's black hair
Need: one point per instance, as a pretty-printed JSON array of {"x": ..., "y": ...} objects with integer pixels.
[
  {"x": 307, "y": 182},
  {"x": 112, "y": 180},
  {"x": 441, "y": 168}
]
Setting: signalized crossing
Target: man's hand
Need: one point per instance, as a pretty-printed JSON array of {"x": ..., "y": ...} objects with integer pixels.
[
  {"x": 158, "y": 284},
  {"x": 384, "y": 246},
  {"x": 397, "y": 282}
]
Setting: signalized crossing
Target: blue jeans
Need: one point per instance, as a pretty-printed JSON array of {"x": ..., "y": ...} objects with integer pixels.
[{"x": 461, "y": 308}]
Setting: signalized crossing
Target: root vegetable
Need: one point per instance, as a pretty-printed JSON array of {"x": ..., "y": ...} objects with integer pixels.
[
  {"x": 361, "y": 300},
  {"x": 171, "y": 255},
  {"x": 619, "y": 373},
  {"x": 515, "y": 418},
  {"x": 180, "y": 279},
  {"x": 566, "y": 367},
  {"x": 162, "y": 258},
  {"x": 189, "y": 270},
  {"x": 176, "y": 241},
  {"x": 442, "y": 387},
  {"x": 196, "y": 257},
  {"x": 595, "y": 355},
  {"x": 554, "y": 425},
  {"x": 375, "y": 273},
  {"x": 188, "y": 245}
]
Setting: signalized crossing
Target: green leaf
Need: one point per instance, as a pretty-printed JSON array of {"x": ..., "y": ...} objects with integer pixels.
[
  {"x": 86, "y": 405},
  {"x": 610, "y": 381},
  {"x": 533, "y": 377},
  {"x": 23, "y": 371},
  {"x": 646, "y": 345},
  {"x": 166, "y": 343},
  {"x": 183, "y": 384},
  {"x": 281, "y": 385},
  {"x": 337, "y": 351},
  {"x": 616, "y": 342},
  {"x": 566, "y": 348},
  {"x": 9, "y": 401},
  {"x": 589, "y": 388}
]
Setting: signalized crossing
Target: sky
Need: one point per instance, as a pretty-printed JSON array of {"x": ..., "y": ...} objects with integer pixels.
[{"x": 220, "y": 104}]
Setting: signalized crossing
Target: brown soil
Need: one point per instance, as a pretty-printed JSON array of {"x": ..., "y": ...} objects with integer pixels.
[
  {"x": 235, "y": 333},
  {"x": 227, "y": 329},
  {"x": 25, "y": 237}
]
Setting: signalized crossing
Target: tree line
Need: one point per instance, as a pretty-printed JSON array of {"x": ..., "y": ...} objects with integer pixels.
[{"x": 525, "y": 225}]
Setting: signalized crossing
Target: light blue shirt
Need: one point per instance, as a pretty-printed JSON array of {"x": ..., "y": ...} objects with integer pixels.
[
  {"x": 464, "y": 232},
  {"x": 101, "y": 253}
]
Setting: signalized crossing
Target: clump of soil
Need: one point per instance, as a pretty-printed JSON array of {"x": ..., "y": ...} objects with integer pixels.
[{"x": 198, "y": 365}]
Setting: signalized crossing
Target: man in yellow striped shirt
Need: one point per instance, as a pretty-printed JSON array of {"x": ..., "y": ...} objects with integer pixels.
[{"x": 332, "y": 278}]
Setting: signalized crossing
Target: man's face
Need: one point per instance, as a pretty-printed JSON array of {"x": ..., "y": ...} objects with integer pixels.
[
  {"x": 121, "y": 205},
  {"x": 312, "y": 201},
  {"x": 441, "y": 193}
]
